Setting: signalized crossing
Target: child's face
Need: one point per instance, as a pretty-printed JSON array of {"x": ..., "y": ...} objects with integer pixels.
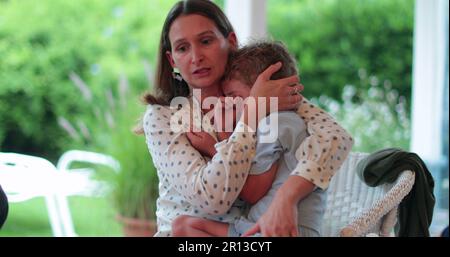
[{"x": 235, "y": 88}]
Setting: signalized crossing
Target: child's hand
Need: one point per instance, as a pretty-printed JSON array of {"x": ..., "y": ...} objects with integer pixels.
[
  {"x": 223, "y": 135},
  {"x": 203, "y": 142}
]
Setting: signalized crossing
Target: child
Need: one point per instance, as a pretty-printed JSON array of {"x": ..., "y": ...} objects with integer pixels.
[{"x": 264, "y": 179}]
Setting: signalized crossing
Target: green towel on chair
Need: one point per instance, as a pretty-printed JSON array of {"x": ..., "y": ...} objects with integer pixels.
[{"x": 416, "y": 209}]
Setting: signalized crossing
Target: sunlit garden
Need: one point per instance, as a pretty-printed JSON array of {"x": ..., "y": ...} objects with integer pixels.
[{"x": 72, "y": 72}]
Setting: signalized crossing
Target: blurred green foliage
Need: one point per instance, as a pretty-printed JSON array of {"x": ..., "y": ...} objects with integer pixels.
[
  {"x": 42, "y": 43},
  {"x": 376, "y": 118},
  {"x": 91, "y": 217},
  {"x": 220, "y": 3},
  {"x": 334, "y": 39},
  {"x": 135, "y": 187},
  {"x": 51, "y": 49},
  {"x": 71, "y": 73}
]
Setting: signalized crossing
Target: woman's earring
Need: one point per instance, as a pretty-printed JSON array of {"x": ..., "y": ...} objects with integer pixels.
[{"x": 176, "y": 74}]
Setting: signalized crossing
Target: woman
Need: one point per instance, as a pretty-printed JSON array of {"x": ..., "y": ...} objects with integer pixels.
[{"x": 196, "y": 39}]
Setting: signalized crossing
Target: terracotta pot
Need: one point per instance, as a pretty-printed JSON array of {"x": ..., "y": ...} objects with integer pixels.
[{"x": 133, "y": 227}]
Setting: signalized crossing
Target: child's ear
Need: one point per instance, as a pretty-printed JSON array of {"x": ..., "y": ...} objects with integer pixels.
[
  {"x": 232, "y": 39},
  {"x": 170, "y": 59}
]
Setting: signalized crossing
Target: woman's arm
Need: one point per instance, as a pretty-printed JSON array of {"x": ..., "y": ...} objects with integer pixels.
[
  {"x": 212, "y": 186},
  {"x": 322, "y": 153}
]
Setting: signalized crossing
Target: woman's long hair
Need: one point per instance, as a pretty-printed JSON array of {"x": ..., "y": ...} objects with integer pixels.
[{"x": 165, "y": 86}]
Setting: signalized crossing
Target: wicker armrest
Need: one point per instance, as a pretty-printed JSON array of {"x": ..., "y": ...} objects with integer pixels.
[{"x": 368, "y": 218}]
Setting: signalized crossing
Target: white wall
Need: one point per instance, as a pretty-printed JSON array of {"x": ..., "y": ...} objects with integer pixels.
[
  {"x": 430, "y": 76},
  {"x": 248, "y": 18},
  {"x": 430, "y": 53}
]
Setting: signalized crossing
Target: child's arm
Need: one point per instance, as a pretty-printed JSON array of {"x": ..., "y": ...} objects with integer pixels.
[
  {"x": 281, "y": 215},
  {"x": 257, "y": 186},
  {"x": 291, "y": 131}
]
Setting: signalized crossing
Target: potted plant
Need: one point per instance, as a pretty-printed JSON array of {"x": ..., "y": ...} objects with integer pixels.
[
  {"x": 135, "y": 187},
  {"x": 110, "y": 130}
]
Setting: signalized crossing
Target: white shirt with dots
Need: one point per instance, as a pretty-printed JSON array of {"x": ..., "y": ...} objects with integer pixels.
[{"x": 190, "y": 184}]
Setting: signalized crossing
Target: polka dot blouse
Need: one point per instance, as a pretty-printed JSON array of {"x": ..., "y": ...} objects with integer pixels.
[
  {"x": 322, "y": 153},
  {"x": 194, "y": 185},
  {"x": 188, "y": 182}
]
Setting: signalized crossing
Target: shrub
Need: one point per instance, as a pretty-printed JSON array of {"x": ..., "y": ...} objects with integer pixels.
[
  {"x": 135, "y": 187},
  {"x": 376, "y": 118},
  {"x": 41, "y": 44},
  {"x": 332, "y": 39},
  {"x": 45, "y": 48},
  {"x": 109, "y": 131}
]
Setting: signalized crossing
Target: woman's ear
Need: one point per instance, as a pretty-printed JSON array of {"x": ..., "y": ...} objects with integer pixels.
[
  {"x": 232, "y": 39},
  {"x": 170, "y": 59}
]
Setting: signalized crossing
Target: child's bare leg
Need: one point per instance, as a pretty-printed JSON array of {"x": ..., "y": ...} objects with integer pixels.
[{"x": 188, "y": 226}]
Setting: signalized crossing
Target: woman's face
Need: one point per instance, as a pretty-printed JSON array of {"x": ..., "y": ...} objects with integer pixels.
[{"x": 199, "y": 50}]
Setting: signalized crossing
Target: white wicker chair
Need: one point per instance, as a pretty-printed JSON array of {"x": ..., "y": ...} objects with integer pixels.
[{"x": 355, "y": 209}]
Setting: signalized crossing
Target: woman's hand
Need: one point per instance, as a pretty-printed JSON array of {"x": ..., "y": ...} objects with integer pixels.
[
  {"x": 280, "y": 219},
  {"x": 287, "y": 89},
  {"x": 203, "y": 142}
]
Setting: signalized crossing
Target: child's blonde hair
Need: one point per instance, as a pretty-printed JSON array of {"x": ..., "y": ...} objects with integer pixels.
[{"x": 246, "y": 63}]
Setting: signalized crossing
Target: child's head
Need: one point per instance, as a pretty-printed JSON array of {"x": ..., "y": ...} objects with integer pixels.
[{"x": 245, "y": 64}]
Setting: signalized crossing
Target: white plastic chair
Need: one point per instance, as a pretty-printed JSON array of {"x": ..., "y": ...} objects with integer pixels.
[
  {"x": 86, "y": 185},
  {"x": 90, "y": 187},
  {"x": 355, "y": 209},
  {"x": 24, "y": 177}
]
